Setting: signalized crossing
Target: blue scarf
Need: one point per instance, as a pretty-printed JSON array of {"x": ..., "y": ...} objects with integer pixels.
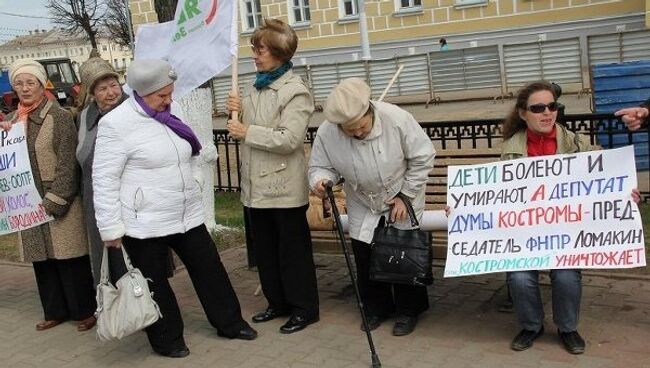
[
  {"x": 264, "y": 79},
  {"x": 173, "y": 122}
]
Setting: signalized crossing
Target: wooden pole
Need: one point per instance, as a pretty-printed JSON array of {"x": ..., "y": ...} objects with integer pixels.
[
  {"x": 234, "y": 66},
  {"x": 390, "y": 84}
]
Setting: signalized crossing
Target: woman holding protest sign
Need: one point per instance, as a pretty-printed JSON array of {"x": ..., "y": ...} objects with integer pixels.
[
  {"x": 531, "y": 130},
  {"x": 58, "y": 249},
  {"x": 275, "y": 113}
]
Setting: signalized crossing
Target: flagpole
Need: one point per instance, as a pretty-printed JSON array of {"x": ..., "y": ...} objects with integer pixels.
[{"x": 235, "y": 58}]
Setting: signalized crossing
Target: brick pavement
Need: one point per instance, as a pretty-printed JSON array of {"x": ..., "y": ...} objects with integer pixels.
[{"x": 463, "y": 328}]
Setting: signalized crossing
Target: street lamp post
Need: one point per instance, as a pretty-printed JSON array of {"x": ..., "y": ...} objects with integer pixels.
[
  {"x": 129, "y": 26},
  {"x": 363, "y": 30}
]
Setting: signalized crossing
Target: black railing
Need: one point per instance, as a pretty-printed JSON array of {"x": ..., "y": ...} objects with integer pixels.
[{"x": 604, "y": 129}]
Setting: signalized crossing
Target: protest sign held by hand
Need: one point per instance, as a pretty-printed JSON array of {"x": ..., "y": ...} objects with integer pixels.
[
  {"x": 568, "y": 211},
  {"x": 21, "y": 206}
]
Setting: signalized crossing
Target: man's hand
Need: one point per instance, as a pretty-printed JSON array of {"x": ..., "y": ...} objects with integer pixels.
[
  {"x": 633, "y": 117},
  {"x": 117, "y": 243},
  {"x": 398, "y": 210}
]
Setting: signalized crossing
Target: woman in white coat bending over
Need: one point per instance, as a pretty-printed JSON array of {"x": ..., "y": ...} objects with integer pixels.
[
  {"x": 381, "y": 151},
  {"x": 148, "y": 199}
]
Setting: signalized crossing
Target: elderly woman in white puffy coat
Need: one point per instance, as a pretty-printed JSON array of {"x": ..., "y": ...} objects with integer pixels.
[
  {"x": 381, "y": 151},
  {"x": 148, "y": 199}
]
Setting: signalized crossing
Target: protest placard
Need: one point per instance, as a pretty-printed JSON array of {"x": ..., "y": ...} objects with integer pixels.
[
  {"x": 547, "y": 212},
  {"x": 21, "y": 207}
]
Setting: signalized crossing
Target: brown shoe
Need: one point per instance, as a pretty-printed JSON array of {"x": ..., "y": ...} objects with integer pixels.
[
  {"x": 45, "y": 325},
  {"x": 86, "y": 324}
]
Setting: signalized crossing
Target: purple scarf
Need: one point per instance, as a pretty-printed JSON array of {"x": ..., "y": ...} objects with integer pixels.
[{"x": 173, "y": 122}]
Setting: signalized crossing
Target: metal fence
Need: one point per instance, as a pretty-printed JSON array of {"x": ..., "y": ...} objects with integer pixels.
[
  {"x": 603, "y": 129},
  {"x": 489, "y": 71}
]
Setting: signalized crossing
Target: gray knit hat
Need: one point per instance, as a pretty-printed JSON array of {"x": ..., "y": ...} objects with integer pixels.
[
  {"x": 94, "y": 70},
  {"x": 348, "y": 102},
  {"x": 146, "y": 76}
]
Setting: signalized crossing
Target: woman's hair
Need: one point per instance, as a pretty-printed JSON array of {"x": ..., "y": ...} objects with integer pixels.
[
  {"x": 442, "y": 41},
  {"x": 513, "y": 122},
  {"x": 278, "y": 37}
]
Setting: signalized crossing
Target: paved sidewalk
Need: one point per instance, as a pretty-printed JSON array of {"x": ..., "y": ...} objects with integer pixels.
[{"x": 463, "y": 328}]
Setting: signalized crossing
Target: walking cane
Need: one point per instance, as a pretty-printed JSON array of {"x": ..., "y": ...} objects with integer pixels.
[{"x": 373, "y": 354}]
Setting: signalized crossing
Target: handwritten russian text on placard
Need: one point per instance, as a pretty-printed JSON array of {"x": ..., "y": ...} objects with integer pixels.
[
  {"x": 20, "y": 204},
  {"x": 549, "y": 212}
]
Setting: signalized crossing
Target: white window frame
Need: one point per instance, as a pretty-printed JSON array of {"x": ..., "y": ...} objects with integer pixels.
[
  {"x": 244, "y": 14},
  {"x": 304, "y": 12},
  {"x": 355, "y": 10},
  {"x": 470, "y": 2},
  {"x": 408, "y": 9}
]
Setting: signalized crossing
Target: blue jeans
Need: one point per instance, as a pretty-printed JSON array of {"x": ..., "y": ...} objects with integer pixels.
[{"x": 566, "y": 287}]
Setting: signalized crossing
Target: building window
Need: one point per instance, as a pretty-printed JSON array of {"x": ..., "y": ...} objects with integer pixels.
[
  {"x": 348, "y": 9},
  {"x": 299, "y": 11},
  {"x": 407, "y": 5},
  {"x": 470, "y": 2},
  {"x": 251, "y": 14},
  {"x": 104, "y": 48},
  {"x": 81, "y": 50}
]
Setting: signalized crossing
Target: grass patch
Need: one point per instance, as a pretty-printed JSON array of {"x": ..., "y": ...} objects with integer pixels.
[
  {"x": 229, "y": 212},
  {"x": 228, "y": 209}
]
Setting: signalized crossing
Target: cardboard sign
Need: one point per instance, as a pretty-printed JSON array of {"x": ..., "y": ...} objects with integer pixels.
[
  {"x": 21, "y": 206},
  {"x": 548, "y": 212}
]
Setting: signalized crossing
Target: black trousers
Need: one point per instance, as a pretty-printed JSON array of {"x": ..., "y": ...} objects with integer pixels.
[
  {"x": 199, "y": 254},
  {"x": 66, "y": 288},
  {"x": 285, "y": 262},
  {"x": 382, "y": 298}
]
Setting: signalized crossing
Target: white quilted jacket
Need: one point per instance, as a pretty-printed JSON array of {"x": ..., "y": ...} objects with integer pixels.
[{"x": 144, "y": 177}]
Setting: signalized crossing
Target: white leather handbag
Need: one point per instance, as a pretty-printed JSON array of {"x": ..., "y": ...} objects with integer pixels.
[{"x": 124, "y": 309}]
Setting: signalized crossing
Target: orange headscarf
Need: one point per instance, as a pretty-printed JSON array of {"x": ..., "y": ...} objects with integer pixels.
[{"x": 24, "y": 111}]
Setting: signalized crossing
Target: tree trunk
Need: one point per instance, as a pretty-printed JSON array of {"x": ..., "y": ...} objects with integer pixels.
[
  {"x": 197, "y": 108},
  {"x": 165, "y": 9}
]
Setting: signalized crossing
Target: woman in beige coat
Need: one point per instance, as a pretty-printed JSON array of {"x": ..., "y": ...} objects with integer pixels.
[
  {"x": 275, "y": 112},
  {"x": 58, "y": 249}
]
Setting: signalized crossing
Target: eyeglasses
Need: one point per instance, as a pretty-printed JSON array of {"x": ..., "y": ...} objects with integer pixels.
[
  {"x": 28, "y": 84},
  {"x": 540, "y": 108},
  {"x": 259, "y": 50}
]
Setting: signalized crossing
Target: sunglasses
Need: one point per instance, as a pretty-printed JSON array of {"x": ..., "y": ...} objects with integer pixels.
[{"x": 540, "y": 108}]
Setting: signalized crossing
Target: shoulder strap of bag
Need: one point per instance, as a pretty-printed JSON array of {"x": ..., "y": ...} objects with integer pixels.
[
  {"x": 409, "y": 209},
  {"x": 105, "y": 272}
]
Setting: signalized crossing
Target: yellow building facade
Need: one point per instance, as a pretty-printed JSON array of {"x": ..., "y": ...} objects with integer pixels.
[{"x": 323, "y": 24}]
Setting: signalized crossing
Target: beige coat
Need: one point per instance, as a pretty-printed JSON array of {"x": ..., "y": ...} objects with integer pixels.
[
  {"x": 395, "y": 157},
  {"x": 51, "y": 143},
  {"x": 273, "y": 163}
]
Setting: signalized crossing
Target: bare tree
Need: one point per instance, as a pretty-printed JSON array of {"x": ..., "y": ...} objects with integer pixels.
[
  {"x": 77, "y": 16},
  {"x": 116, "y": 21},
  {"x": 166, "y": 9}
]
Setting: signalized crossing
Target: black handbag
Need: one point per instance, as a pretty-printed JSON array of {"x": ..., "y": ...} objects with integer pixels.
[{"x": 401, "y": 256}]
